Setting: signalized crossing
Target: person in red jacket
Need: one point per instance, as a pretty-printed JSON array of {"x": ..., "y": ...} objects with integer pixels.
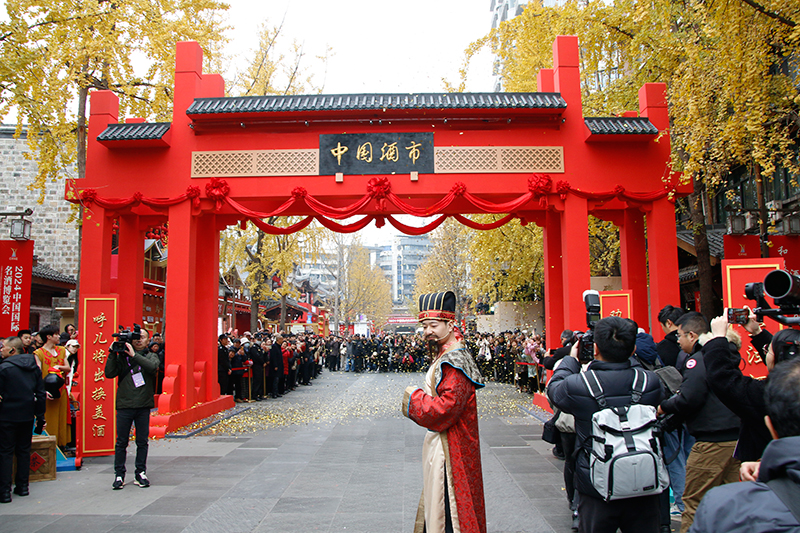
[{"x": 452, "y": 493}]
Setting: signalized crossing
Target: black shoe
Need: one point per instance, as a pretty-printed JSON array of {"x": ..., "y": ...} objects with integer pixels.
[
  {"x": 141, "y": 480},
  {"x": 665, "y": 529},
  {"x": 119, "y": 483},
  {"x": 558, "y": 454},
  {"x": 5, "y": 497},
  {"x": 21, "y": 490}
]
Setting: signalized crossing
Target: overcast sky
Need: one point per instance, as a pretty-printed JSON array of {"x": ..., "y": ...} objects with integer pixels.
[{"x": 377, "y": 46}]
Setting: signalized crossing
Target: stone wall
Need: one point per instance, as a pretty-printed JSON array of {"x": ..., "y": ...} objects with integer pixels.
[{"x": 56, "y": 240}]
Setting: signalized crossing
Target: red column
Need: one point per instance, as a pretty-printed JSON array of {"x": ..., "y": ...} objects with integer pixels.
[
  {"x": 130, "y": 280},
  {"x": 662, "y": 251},
  {"x": 633, "y": 263},
  {"x": 553, "y": 279},
  {"x": 179, "y": 393},
  {"x": 95, "y": 251},
  {"x": 206, "y": 310},
  {"x": 575, "y": 259}
]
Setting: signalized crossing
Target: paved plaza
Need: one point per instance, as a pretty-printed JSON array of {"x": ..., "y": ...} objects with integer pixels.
[{"x": 335, "y": 456}]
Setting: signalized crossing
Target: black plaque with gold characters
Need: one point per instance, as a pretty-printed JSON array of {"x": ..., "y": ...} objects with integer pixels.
[{"x": 376, "y": 153}]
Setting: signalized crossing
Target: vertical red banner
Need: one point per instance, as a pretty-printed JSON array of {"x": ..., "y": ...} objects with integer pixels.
[
  {"x": 16, "y": 265},
  {"x": 99, "y": 316},
  {"x": 735, "y": 274},
  {"x": 616, "y": 303}
]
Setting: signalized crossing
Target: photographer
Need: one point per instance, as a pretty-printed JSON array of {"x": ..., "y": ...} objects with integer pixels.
[
  {"x": 614, "y": 344},
  {"x": 742, "y": 394},
  {"x": 135, "y": 367},
  {"x": 714, "y": 427}
]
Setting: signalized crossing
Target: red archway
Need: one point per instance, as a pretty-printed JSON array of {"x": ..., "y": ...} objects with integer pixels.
[{"x": 222, "y": 160}]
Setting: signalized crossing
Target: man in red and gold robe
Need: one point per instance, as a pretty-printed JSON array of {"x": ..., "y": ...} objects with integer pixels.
[{"x": 452, "y": 493}]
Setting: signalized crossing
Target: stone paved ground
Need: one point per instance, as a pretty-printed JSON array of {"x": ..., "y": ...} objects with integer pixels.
[{"x": 336, "y": 456}]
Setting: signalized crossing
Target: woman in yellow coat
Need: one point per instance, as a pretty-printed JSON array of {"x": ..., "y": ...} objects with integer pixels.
[{"x": 53, "y": 360}]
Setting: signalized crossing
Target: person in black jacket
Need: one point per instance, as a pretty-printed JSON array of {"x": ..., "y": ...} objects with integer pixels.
[
  {"x": 256, "y": 355},
  {"x": 22, "y": 399},
  {"x": 760, "y": 506},
  {"x": 555, "y": 355},
  {"x": 742, "y": 394},
  {"x": 276, "y": 365},
  {"x": 668, "y": 349},
  {"x": 615, "y": 342},
  {"x": 223, "y": 363},
  {"x": 715, "y": 427}
]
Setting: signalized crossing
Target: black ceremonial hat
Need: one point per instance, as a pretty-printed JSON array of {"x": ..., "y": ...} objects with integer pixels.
[{"x": 440, "y": 305}]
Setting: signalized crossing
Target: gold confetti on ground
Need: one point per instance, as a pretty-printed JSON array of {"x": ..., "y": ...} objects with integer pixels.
[{"x": 339, "y": 398}]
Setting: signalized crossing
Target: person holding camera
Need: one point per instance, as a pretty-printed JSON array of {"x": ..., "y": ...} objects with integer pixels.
[
  {"x": 621, "y": 385},
  {"x": 22, "y": 399},
  {"x": 715, "y": 427},
  {"x": 770, "y": 502},
  {"x": 135, "y": 368}
]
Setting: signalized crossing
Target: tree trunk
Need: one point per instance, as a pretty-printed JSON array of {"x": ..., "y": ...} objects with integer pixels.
[
  {"x": 253, "y": 314},
  {"x": 705, "y": 275},
  {"x": 763, "y": 216},
  {"x": 283, "y": 314}
]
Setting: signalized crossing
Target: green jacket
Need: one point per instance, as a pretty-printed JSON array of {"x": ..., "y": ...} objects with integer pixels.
[{"x": 128, "y": 395}]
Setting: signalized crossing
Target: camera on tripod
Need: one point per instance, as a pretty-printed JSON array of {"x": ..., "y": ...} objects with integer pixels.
[
  {"x": 780, "y": 285},
  {"x": 585, "y": 340},
  {"x": 125, "y": 336}
]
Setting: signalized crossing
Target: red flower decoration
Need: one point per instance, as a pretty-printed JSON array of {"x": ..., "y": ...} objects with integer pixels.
[
  {"x": 619, "y": 190},
  {"x": 563, "y": 187},
  {"x": 193, "y": 193},
  {"x": 299, "y": 193},
  {"x": 137, "y": 198},
  {"x": 88, "y": 196},
  {"x": 379, "y": 189},
  {"x": 217, "y": 190},
  {"x": 458, "y": 189},
  {"x": 539, "y": 184}
]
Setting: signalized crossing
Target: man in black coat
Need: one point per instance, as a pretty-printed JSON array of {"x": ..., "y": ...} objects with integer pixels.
[
  {"x": 223, "y": 363},
  {"x": 615, "y": 342},
  {"x": 761, "y": 506},
  {"x": 22, "y": 399},
  {"x": 276, "y": 365},
  {"x": 257, "y": 357},
  {"x": 557, "y": 354},
  {"x": 714, "y": 426},
  {"x": 668, "y": 349}
]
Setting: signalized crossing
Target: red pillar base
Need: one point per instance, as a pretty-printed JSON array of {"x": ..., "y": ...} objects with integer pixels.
[{"x": 161, "y": 424}]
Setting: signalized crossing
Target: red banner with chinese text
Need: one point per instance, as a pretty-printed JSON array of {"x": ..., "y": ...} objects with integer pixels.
[
  {"x": 616, "y": 303},
  {"x": 16, "y": 265},
  {"x": 97, "y": 417},
  {"x": 735, "y": 274},
  {"x": 786, "y": 247}
]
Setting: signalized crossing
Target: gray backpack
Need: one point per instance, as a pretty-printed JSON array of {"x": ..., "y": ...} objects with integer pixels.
[{"x": 625, "y": 455}]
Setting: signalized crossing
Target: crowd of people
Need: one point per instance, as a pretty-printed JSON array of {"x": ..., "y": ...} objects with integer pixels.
[{"x": 717, "y": 426}]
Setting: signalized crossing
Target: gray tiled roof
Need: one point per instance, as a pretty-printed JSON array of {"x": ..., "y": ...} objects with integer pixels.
[
  {"x": 715, "y": 240},
  {"x": 348, "y": 102},
  {"x": 45, "y": 272},
  {"x": 620, "y": 126},
  {"x": 134, "y": 131}
]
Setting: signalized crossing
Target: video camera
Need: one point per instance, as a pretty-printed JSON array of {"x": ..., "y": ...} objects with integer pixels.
[
  {"x": 780, "y": 285},
  {"x": 585, "y": 340},
  {"x": 125, "y": 336}
]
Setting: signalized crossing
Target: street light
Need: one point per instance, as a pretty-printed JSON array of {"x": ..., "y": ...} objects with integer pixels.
[
  {"x": 791, "y": 224},
  {"x": 20, "y": 227},
  {"x": 736, "y": 224}
]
